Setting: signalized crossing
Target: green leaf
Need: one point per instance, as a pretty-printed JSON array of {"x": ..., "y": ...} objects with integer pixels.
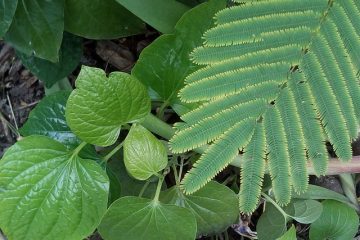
[
  {"x": 69, "y": 57},
  {"x": 102, "y": 19},
  {"x": 337, "y": 221},
  {"x": 160, "y": 14},
  {"x": 215, "y": 206},
  {"x": 271, "y": 224},
  {"x": 144, "y": 154},
  {"x": 164, "y": 64},
  {"x": 37, "y": 28},
  {"x": 47, "y": 192},
  {"x": 304, "y": 211},
  {"x": 7, "y": 12},
  {"x": 289, "y": 235},
  {"x": 99, "y": 106},
  {"x": 316, "y": 192},
  {"x": 143, "y": 219},
  {"x": 48, "y": 119}
]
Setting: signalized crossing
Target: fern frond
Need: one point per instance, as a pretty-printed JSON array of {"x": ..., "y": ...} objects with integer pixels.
[
  {"x": 330, "y": 115},
  {"x": 210, "y": 128},
  {"x": 313, "y": 132},
  {"x": 252, "y": 171},
  {"x": 219, "y": 155},
  {"x": 295, "y": 140}
]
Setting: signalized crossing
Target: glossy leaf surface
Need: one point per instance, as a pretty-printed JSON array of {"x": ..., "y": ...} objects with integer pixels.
[
  {"x": 48, "y": 193},
  {"x": 7, "y": 12},
  {"x": 102, "y": 19},
  {"x": 98, "y": 106},
  {"x": 143, "y": 219},
  {"x": 165, "y": 63},
  {"x": 215, "y": 206},
  {"x": 337, "y": 221},
  {"x": 49, "y": 72},
  {"x": 37, "y": 28},
  {"x": 144, "y": 154}
]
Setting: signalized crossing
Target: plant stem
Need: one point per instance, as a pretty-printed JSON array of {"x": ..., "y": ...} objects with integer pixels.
[
  {"x": 158, "y": 189},
  {"x": 275, "y": 204},
  {"x": 144, "y": 188},
  {"x": 177, "y": 177},
  {"x": 78, "y": 148},
  {"x": 335, "y": 167},
  {"x": 115, "y": 150}
]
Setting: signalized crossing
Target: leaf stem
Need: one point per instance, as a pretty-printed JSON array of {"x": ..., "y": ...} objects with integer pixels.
[
  {"x": 144, "y": 188},
  {"x": 158, "y": 189},
  {"x": 78, "y": 148},
  {"x": 268, "y": 198},
  {"x": 112, "y": 152}
]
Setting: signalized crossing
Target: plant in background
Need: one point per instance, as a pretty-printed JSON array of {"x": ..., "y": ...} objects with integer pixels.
[{"x": 272, "y": 81}]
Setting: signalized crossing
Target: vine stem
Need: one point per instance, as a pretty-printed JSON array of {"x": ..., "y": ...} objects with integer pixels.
[
  {"x": 78, "y": 149},
  {"x": 269, "y": 199},
  {"x": 335, "y": 166},
  {"x": 158, "y": 189},
  {"x": 115, "y": 150}
]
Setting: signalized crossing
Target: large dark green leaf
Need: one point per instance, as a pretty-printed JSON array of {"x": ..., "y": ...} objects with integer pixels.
[
  {"x": 144, "y": 154},
  {"x": 215, "y": 206},
  {"x": 271, "y": 224},
  {"x": 47, "y": 192},
  {"x": 145, "y": 219},
  {"x": 7, "y": 12},
  {"x": 337, "y": 221},
  {"x": 100, "y": 19},
  {"x": 37, "y": 28},
  {"x": 160, "y": 14},
  {"x": 48, "y": 119},
  {"x": 304, "y": 211},
  {"x": 164, "y": 64},
  {"x": 69, "y": 57},
  {"x": 98, "y": 106}
]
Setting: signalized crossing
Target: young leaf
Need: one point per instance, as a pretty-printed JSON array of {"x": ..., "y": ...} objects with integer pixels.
[
  {"x": 37, "y": 28},
  {"x": 304, "y": 211},
  {"x": 99, "y": 106},
  {"x": 47, "y": 192},
  {"x": 143, "y": 219},
  {"x": 164, "y": 64},
  {"x": 7, "y": 12},
  {"x": 163, "y": 17},
  {"x": 102, "y": 19},
  {"x": 144, "y": 154},
  {"x": 48, "y": 119},
  {"x": 271, "y": 224},
  {"x": 289, "y": 235},
  {"x": 215, "y": 206},
  {"x": 49, "y": 72},
  {"x": 337, "y": 221}
]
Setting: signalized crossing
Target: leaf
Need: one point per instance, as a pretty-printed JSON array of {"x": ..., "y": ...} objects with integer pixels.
[
  {"x": 337, "y": 221},
  {"x": 48, "y": 119},
  {"x": 215, "y": 206},
  {"x": 98, "y": 107},
  {"x": 49, "y": 72},
  {"x": 7, "y": 12},
  {"x": 317, "y": 192},
  {"x": 144, "y": 154},
  {"x": 271, "y": 224},
  {"x": 163, "y": 17},
  {"x": 164, "y": 64},
  {"x": 37, "y": 28},
  {"x": 47, "y": 192},
  {"x": 289, "y": 235},
  {"x": 143, "y": 219},
  {"x": 102, "y": 19},
  {"x": 304, "y": 211}
]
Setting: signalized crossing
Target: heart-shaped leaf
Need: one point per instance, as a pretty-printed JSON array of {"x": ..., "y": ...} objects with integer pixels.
[
  {"x": 304, "y": 211},
  {"x": 48, "y": 119},
  {"x": 289, "y": 235},
  {"x": 49, "y": 72},
  {"x": 144, "y": 154},
  {"x": 7, "y": 12},
  {"x": 271, "y": 224},
  {"x": 165, "y": 63},
  {"x": 98, "y": 106},
  {"x": 145, "y": 219},
  {"x": 47, "y": 192},
  {"x": 37, "y": 28},
  {"x": 337, "y": 221},
  {"x": 102, "y": 19},
  {"x": 215, "y": 206}
]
